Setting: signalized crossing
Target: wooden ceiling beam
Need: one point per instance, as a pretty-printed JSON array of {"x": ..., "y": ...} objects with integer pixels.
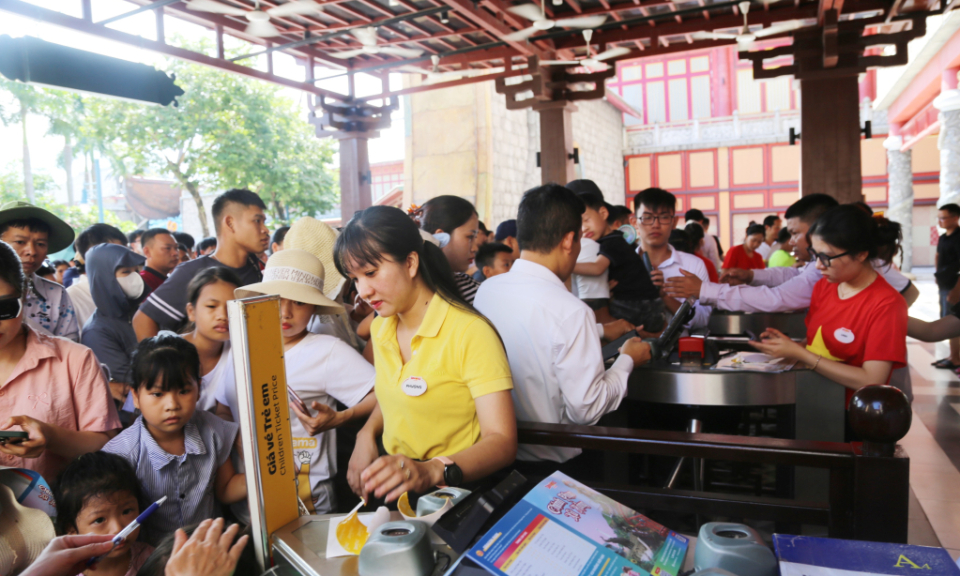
[{"x": 488, "y": 22}]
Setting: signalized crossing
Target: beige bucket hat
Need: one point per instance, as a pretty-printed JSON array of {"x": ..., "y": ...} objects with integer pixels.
[
  {"x": 295, "y": 275},
  {"x": 317, "y": 238},
  {"x": 24, "y": 532}
]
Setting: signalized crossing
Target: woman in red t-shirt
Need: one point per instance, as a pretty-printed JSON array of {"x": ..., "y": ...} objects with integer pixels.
[
  {"x": 857, "y": 323},
  {"x": 746, "y": 256},
  {"x": 696, "y": 234}
]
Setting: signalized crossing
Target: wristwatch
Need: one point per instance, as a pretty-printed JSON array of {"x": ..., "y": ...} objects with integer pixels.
[{"x": 452, "y": 474}]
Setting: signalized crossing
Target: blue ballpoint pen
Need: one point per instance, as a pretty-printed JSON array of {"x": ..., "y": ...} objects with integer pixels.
[{"x": 119, "y": 538}]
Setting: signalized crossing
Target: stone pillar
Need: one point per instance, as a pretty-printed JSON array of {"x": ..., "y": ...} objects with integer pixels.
[
  {"x": 900, "y": 176},
  {"x": 948, "y": 103},
  {"x": 830, "y": 138},
  {"x": 556, "y": 142},
  {"x": 355, "y": 177}
]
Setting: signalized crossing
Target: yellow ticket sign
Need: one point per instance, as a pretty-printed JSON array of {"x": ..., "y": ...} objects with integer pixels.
[{"x": 264, "y": 418}]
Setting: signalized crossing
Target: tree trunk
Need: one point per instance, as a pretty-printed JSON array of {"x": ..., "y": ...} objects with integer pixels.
[
  {"x": 27, "y": 169},
  {"x": 201, "y": 211},
  {"x": 68, "y": 166}
]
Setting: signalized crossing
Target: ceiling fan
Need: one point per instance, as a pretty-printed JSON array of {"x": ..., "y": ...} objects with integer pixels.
[
  {"x": 538, "y": 16},
  {"x": 259, "y": 19},
  {"x": 368, "y": 38},
  {"x": 592, "y": 60},
  {"x": 745, "y": 37},
  {"x": 434, "y": 74}
]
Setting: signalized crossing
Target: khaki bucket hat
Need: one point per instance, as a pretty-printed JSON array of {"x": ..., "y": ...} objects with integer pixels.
[
  {"x": 294, "y": 275},
  {"x": 24, "y": 532},
  {"x": 317, "y": 238},
  {"x": 61, "y": 234}
]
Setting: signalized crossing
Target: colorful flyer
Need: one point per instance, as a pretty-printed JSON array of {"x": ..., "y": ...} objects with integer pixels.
[{"x": 564, "y": 528}]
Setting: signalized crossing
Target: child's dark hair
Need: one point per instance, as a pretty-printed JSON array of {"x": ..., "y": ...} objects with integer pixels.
[
  {"x": 593, "y": 200},
  {"x": 43, "y": 271},
  {"x": 654, "y": 199},
  {"x": 88, "y": 476},
  {"x": 488, "y": 253},
  {"x": 617, "y": 213},
  {"x": 156, "y": 564},
  {"x": 680, "y": 240},
  {"x": 58, "y": 263},
  {"x": 385, "y": 232},
  {"x": 850, "y": 229},
  {"x": 695, "y": 234},
  {"x": 783, "y": 237},
  {"x": 207, "y": 277},
  {"x": 694, "y": 215},
  {"x": 755, "y": 228},
  {"x": 546, "y": 214},
  {"x": 207, "y": 243},
  {"x": 445, "y": 213},
  {"x": 11, "y": 270},
  {"x": 166, "y": 361},
  {"x": 770, "y": 220}
]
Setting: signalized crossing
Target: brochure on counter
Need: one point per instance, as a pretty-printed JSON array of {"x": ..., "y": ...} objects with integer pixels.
[
  {"x": 809, "y": 556},
  {"x": 563, "y": 528}
]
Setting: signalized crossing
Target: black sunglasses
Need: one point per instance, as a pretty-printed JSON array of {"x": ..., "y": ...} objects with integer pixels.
[
  {"x": 824, "y": 258},
  {"x": 10, "y": 308}
]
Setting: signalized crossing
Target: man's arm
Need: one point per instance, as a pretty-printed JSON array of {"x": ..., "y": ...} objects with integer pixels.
[
  {"x": 144, "y": 326},
  {"x": 774, "y": 276},
  {"x": 788, "y": 297}
]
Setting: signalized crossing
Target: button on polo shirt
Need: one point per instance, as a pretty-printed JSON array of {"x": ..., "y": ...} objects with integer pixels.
[{"x": 459, "y": 357}]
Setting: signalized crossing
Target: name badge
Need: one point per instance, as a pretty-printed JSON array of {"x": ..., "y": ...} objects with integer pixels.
[
  {"x": 414, "y": 386},
  {"x": 844, "y": 335}
]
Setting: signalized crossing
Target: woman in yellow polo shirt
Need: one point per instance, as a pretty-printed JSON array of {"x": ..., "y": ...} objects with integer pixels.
[{"x": 443, "y": 386}]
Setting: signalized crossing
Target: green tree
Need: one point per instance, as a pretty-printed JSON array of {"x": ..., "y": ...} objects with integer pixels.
[
  {"x": 28, "y": 99},
  {"x": 78, "y": 217},
  {"x": 228, "y": 131}
]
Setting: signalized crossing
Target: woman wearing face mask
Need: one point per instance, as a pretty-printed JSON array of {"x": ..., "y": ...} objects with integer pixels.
[
  {"x": 857, "y": 322},
  {"x": 455, "y": 224},
  {"x": 443, "y": 387},
  {"x": 116, "y": 286}
]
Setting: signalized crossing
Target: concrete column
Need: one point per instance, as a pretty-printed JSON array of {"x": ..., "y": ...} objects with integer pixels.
[
  {"x": 830, "y": 138},
  {"x": 948, "y": 103},
  {"x": 900, "y": 176},
  {"x": 556, "y": 142},
  {"x": 355, "y": 177}
]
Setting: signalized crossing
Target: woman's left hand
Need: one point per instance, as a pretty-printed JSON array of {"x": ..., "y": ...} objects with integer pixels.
[
  {"x": 33, "y": 446},
  {"x": 390, "y": 476},
  {"x": 777, "y": 344},
  {"x": 326, "y": 418}
]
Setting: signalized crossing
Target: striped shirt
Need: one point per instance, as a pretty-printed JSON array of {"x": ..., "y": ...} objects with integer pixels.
[
  {"x": 167, "y": 305},
  {"x": 467, "y": 285},
  {"x": 187, "y": 481}
]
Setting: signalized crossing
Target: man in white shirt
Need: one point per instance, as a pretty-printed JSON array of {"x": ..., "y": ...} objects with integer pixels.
[
  {"x": 771, "y": 227},
  {"x": 656, "y": 218},
  {"x": 550, "y": 336}
]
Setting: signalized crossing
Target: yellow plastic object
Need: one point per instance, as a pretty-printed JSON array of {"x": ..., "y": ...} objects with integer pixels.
[
  {"x": 403, "y": 506},
  {"x": 352, "y": 534}
]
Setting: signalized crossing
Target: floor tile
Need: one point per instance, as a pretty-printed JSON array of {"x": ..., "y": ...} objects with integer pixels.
[
  {"x": 944, "y": 517},
  {"x": 932, "y": 482}
]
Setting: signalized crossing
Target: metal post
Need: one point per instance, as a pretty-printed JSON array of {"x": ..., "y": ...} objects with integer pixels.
[{"x": 96, "y": 172}]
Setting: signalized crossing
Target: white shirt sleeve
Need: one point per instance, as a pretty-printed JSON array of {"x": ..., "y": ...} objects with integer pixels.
[
  {"x": 349, "y": 377},
  {"x": 792, "y": 295},
  {"x": 701, "y": 312},
  {"x": 774, "y": 276},
  {"x": 588, "y": 391},
  {"x": 893, "y": 276}
]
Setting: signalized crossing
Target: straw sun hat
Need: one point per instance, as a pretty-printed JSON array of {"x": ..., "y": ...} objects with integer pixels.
[
  {"x": 24, "y": 532},
  {"x": 294, "y": 275},
  {"x": 317, "y": 238}
]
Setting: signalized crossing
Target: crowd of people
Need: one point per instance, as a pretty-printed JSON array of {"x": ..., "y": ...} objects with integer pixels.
[{"x": 429, "y": 332}]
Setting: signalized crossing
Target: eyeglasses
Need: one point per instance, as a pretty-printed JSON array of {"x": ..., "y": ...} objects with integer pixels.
[
  {"x": 824, "y": 258},
  {"x": 649, "y": 219},
  {"x": 10, "y": 308}
]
